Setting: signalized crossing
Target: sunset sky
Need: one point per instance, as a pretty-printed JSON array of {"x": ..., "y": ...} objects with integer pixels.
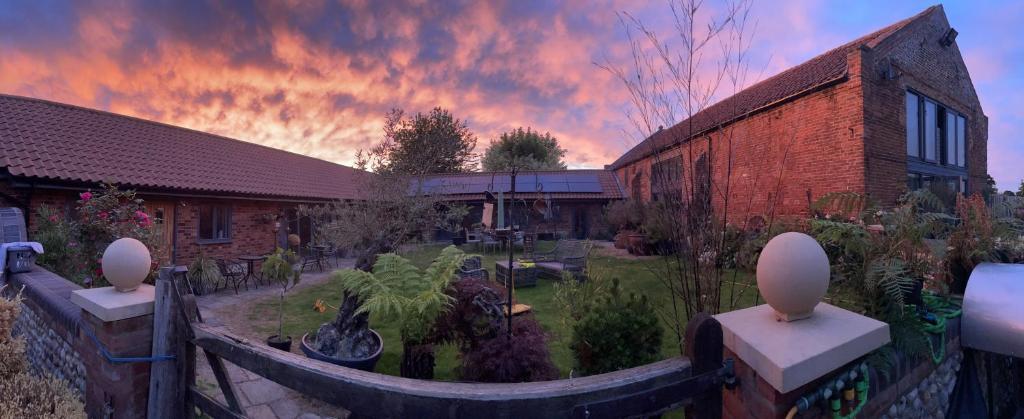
[{"x": 317, "y": 79}]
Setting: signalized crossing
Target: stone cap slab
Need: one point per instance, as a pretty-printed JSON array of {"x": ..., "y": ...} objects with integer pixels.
[
  {"x": 109, "y": 305},
  {"x": 790, "y": 354}
]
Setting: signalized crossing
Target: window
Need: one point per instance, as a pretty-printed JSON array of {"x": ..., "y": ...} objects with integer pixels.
[
  {"x": 913, "y": 126},
  {"x": 930, "y": 126},
  {"x": 665, "y": 177},
  {"x": 961, "y": 141},
  {"x": 214, "y": 223},
  {"x": 936, "y": 146}
]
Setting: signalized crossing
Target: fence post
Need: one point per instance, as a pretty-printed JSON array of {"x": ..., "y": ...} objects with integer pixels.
[
  {"x": 704, "y": 348},
  {"x": 164, "y": 398}
]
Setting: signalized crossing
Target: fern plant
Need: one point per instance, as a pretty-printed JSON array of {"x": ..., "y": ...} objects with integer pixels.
[
  {"x": 396, "y": 290},
  {"x": 880, "y": 258}
]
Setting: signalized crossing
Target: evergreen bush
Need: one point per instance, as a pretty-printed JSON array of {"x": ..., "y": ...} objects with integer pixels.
[{"x": 616, "y": 333}]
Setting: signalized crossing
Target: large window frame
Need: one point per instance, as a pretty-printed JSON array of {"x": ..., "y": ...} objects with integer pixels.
[
  {"x": 213, "y": 223},
  {"x": 938, "y": 153}
]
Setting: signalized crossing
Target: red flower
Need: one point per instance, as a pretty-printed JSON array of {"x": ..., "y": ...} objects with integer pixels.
[
  {"x": 85, "y": 195},
  {"x": 103, "y": 215},
  {"x": 143, "y": 219},
  {"x": 53, "y": 218}
]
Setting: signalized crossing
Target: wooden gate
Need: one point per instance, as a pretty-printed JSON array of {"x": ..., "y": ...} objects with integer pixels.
[{"x": 694, "y": 381}]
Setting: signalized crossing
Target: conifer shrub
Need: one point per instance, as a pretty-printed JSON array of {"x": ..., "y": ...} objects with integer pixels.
[{"x": 617, "y": 332}]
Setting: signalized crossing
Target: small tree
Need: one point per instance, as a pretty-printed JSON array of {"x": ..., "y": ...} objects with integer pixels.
[
  {"x": 278, "y": 268},
  {"x": 1020, "y": 189},
  {"x": 396, "y": 290},
  {"x": 530, "y": 150},
  {"x": 433, "y": 143},
  {"x": 617, "y": 332}
]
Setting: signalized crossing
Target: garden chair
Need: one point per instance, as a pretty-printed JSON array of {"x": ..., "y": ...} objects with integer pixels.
[
  {"x": 311, "y": 257},
  {"x": 529, "y": 246},
  {"x": 567, "y": 256},
  {"x": 473, "y": 238},
  {"x": 232, "y": 272},
  {"x": 473, "y": 268},
  {"x": 490, "y": 242}
]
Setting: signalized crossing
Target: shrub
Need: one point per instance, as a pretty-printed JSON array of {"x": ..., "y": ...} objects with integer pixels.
[
  {"x": 617, "y": 333},
  {"x": 74, "y": 247},
  {"x": 24, "y": 395},
  {"x": 523, "y": 358},
  {"x": 475, "y": 316}
]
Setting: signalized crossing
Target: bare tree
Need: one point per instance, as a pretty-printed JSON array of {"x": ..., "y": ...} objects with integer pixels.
[{"x": 675, "y": 79}]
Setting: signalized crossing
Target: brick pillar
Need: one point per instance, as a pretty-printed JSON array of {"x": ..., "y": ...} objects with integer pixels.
[
  {"x": 755, "y": 398},
  {"x": 116, "y": 390}
]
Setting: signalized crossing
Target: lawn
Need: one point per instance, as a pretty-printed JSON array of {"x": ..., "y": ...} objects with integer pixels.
[{"x": 635, "y": 276}]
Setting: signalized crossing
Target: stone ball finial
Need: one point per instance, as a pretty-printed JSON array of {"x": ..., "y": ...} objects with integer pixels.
[
  {"x": 793, "y": 275},
  {"x": 126, "y": 263}
]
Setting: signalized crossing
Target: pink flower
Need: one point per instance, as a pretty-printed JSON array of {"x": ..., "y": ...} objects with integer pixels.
[
  {"x": 53, "y": 218},
  {"x": 103, "y": 215},
  {"x": 85, "y": 195},
  {"x": 143, "y": 218}
]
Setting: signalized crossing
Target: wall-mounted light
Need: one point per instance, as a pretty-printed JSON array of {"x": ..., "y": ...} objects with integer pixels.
[{"x": 949, "y": 37}]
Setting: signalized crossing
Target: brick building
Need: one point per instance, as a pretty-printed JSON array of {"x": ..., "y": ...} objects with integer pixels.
[
  {"x": 202, "y": 190},
  {"x": 574, "y": 199},
  {"x": 889, "y": 111}
]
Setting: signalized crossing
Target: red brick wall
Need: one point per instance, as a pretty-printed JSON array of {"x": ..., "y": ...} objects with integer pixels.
[
  {"x": 920, "y": 63},
  {"x": 250, "y": 234},
  {"x": 811, "y": 144}
]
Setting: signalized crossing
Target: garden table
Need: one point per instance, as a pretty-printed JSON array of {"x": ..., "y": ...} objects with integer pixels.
[
  {"x": 524, "y": 275},
  {"x": 250, "y": 261}
]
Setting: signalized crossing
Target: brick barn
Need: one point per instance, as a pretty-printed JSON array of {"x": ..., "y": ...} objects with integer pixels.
[
  {"x": 202, "y": 190},
  {"x": 889, "y": 111}
]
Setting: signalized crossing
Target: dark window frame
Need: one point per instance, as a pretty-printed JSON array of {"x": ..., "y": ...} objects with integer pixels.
[
  {"x": 940, "y": 167},
  {"x": 215, "y": 219}
]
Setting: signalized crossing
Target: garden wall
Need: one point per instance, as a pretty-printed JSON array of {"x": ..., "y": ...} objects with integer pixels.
[
  {"x": 908, "y": 388},
  {"x": 49, "y": 323}
]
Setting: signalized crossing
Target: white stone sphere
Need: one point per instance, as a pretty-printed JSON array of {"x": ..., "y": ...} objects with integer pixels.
[
  {"x": 793, "y": 275},
  {"x": 126, "y": 263}
]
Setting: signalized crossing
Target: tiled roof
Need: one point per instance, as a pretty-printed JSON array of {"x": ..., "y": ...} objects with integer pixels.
[
  {"x": 53, "y": 141},
  {"x": 819, "y": 71},
  {"x": 610, "y": 187}
]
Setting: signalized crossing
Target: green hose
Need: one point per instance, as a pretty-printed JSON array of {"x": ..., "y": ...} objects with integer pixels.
[
  {"x": 944, "y": 308},
  {"x": 862, "y": 398}
]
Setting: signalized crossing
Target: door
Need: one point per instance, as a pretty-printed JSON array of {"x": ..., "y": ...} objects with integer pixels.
[{"x": 162, "y": 214}]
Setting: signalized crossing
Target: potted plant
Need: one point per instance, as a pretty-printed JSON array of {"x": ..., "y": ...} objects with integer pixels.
[
  {"x": 451, "y": 221},
  {"x": 278, "y": 268},
  {"x": 203, "y": 274},
  {"x": 395, "y": 290}
]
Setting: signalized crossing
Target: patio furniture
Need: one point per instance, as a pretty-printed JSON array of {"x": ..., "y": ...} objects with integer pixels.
[
  {"x": 322, "y": 251},
  {"x": 232, "y": 273},
  {"x": 474, "y": 238},
  {"x": 490, "y": 243},
  {"x": 567, "y": 256},
  {"x": 524, "y": 275},
  {"x": 250, "y": 272},
  {"x": 529, "y": 246},
  {"x": 311, "y": 257},
  {"x": 473, "y": 268}
]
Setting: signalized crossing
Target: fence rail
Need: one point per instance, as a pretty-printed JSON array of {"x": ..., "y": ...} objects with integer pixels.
[{"x": 637, "y": 392}]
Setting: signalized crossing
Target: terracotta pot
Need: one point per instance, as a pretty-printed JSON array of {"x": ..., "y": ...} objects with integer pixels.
[
  {"x": 638, "y": 244},
  {"x": 622, "y": 239}
]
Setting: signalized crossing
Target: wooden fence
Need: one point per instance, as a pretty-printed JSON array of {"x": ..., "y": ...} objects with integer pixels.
[{"x": 693, "y": 381}]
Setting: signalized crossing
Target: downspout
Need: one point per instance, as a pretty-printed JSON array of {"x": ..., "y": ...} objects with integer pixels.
[{"x": 174, "y": 234}]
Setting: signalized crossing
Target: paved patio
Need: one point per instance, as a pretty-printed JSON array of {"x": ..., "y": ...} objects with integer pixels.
[{"x": 260, "y": 397}]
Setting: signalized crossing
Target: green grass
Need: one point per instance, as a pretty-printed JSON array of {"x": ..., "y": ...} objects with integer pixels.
[{"x": 635, "y": 276}]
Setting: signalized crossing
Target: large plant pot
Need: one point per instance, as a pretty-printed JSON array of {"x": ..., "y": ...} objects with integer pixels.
[
  {"x": 622, "y": 239},
  {"x": 282, "y": 344},
  {"x": 638, "y": 244},
  {"x": 365, "y": 364}
]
